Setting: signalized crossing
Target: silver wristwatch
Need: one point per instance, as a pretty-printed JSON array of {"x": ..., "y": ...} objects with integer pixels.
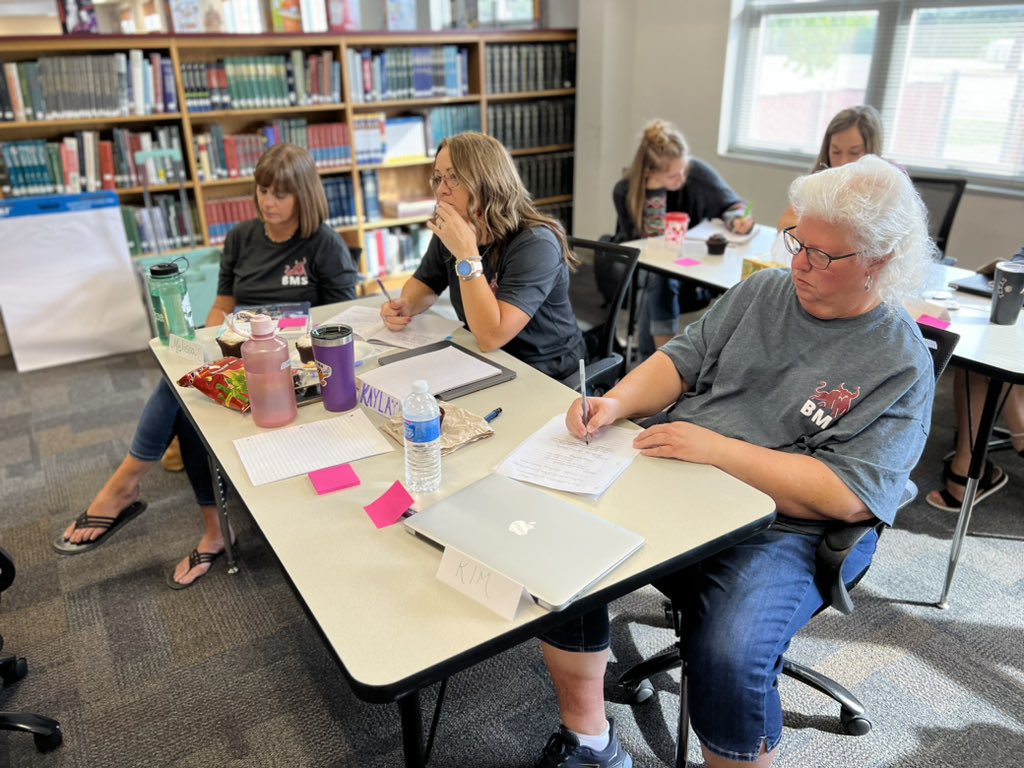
[{"x": 467, "y": 269}]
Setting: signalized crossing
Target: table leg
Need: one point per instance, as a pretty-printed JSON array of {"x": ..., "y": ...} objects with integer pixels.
[
  {"x": 222, "y": 509},
  {"x": 631, "y": 324},
  {"x": 412, "y": 730},
  {"x": 979, "y": 452}
]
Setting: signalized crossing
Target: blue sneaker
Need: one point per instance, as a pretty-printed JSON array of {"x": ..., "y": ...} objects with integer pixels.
[{"x": 563, "y": 750}]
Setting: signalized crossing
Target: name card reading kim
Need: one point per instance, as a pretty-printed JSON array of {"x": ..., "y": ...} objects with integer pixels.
[{"x": 475, "y": 580}]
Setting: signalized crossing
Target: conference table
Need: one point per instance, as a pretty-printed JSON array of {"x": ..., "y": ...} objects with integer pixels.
[
  {"x": 392, "y": 626},
  {"x": 995, "y": 351}
]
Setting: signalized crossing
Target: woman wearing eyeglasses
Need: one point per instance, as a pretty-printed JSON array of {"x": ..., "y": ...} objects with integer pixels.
[
  {"x": 664, "y": 178},
  {"x": 814, "y": 386},
  {"x": 505, "y": 263}
]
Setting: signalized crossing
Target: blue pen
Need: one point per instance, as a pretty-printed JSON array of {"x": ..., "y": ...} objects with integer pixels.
[
  {"x": 385, "y": 290},
  {"x": 492, "y": 415}
]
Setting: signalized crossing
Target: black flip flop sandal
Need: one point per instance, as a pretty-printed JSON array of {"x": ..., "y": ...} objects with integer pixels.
[
  {"x": 992, "y": 480},
  {"x": 195, "y": 558},
  {"x": 111, "y": 525}
]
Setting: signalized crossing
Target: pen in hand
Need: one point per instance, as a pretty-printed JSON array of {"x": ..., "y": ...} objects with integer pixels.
[
  {"x": 385, "y": 290},
  {"x": 492, "y": 415},
  {"x": 586, "y": 411}
]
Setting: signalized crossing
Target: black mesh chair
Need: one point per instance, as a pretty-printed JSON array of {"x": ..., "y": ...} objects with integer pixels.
[
  {"x": 597, "y": 318},
  {"x": 942, "y": 197},
  {"x": 835, "y": 547},
  {"x": 45, "y": 730}
]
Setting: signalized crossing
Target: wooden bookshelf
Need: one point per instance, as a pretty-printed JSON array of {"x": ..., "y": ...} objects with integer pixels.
[{"x": 406, "y": 178}]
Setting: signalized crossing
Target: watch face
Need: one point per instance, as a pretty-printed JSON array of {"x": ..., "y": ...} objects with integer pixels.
[{"x": 463, "y": 268}]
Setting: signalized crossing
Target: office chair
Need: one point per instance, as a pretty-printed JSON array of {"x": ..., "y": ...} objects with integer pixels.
[
  {"x": 46, "y": 731},
  {"x": 941, "y": 197},
  {"x": 835, "y": 547},
  {"x": 596, "y": 319}
]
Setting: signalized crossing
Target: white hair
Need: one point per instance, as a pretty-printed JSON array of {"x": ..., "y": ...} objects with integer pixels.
[{"x": 876, "y": 204}]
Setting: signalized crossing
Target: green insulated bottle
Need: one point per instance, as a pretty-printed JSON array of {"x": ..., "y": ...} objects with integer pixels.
[{"x": 172, "y": 310}]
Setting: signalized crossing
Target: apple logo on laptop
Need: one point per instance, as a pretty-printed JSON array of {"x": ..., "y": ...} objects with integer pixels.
[{"x": 521, "y": 527}]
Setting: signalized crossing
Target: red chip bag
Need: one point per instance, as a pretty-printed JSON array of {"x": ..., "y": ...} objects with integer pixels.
[{"x": 222, "y": 380}]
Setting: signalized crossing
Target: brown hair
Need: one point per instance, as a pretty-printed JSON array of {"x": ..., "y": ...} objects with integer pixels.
[
  {"x": 868, "y": 123},
  {"x": 290, "y": 169},
  {"x": 661, "y": 145},
  {"x": 499, "y": 204}
]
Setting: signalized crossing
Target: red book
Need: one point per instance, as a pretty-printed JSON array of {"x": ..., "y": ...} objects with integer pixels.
[
  {"x": 231, "y": 156},
  {"x": 107, "y": 165},
  {"x": 158, "y": 82}
]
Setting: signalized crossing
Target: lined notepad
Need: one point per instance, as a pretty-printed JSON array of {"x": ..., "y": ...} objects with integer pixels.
[{"x": 292, "y": 451}]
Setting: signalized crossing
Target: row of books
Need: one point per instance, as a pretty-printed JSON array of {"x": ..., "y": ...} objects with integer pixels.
[
  {"x": 163, "y": 227},
  {"x": 379, "y": 138},
  {"x": 224, "y": 213},
  {"x": 390, "y": 251},
  {"x": 298, "y": 16},
  {"x": 217, "y": 16},
  {"x": 408, "y": 73},
  {"x": 442, "y": 122},
  {"x": 341, "y": 201},
  {"x": 370, "y": 186},
  {"x": 518, "y": 67},
  {"x": 522, "y": 125},
  {"x": 99, "y": 85},
  {"x": 546, "y": 175},
  {"x": 253, "y": 82},
  {"x": 85, "y": 163},
  {"x": 560, "y": 211},
  {"x": 224, "y": 156}
]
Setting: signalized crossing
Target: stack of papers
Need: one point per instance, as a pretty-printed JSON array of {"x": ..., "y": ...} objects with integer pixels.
[
  {"x": 443, "y": 370},
  {"x": 710, "y": 227},
  {"x": 425, "y": 328},
  {"x": 553, "y": 458}
]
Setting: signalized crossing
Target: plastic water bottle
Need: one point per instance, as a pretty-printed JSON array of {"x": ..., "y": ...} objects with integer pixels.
[
  {"x": 422, "y": 439},
  {"x": 172, "y": 310},
  {"x": 268, "y": 375}
]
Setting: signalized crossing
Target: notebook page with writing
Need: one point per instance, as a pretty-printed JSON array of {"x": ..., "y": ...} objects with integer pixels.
[
  {"x": 444, "y": 369},
  {"x": 291, "y": 451},
  {"x": 553, "y": 458},
  {"x": 425, "y": 328}
]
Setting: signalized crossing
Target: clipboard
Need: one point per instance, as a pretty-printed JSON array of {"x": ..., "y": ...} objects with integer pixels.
[{"x": 506, "y": 374}]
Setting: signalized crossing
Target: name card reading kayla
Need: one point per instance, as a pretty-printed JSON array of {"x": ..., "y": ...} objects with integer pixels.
[{"x": 475, "y": 580}]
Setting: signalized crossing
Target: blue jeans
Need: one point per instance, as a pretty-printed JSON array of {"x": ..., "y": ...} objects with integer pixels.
[
  {"x": 664, "y": 299},
  {"x": 161, "y": 419},
  {"x": 741, "y": 608}
]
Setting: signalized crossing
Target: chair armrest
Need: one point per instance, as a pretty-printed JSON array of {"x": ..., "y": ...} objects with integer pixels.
[
  {"x": 595, "y": 371},
  {"x": 835, "y": 547}
]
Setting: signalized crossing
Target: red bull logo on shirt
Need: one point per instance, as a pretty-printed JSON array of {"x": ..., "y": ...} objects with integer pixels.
[
  {"x": 295, "y": 274},
  {"x": 825, "y": 405}
]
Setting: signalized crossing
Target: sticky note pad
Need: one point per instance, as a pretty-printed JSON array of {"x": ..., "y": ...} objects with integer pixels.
[
  {"x": 336, "y": 478},
  {"x": 686, "y": 262},
  {"x": 291, "y": 322},
  {"x": 388, "y": 508},
  {"x": 934, "y": 322}
]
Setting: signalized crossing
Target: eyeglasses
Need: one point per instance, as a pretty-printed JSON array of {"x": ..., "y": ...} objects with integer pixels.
[
  {"x": 815, "y": 257},
  {"x": 449, "y": 179}
]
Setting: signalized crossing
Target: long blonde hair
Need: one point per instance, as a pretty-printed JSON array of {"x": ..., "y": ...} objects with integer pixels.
[
  {"x": 661, "y": 145},
  {"x": 499, "y": 204},
  {"x": 290, "y": 169}
]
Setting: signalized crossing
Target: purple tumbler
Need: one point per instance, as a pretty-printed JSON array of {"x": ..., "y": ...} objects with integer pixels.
[{"x": 334, "y": 352}]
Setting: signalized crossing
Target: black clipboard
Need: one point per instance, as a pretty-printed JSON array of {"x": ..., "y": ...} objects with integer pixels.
[{"x": 506, "y": 374}]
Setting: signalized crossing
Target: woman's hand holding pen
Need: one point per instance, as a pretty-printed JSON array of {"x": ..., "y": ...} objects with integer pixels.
[
  {"x": 395, "y": 314},
  {"x": 602, "y": 412},
  {"x": 455, "y": 233},
  {"x": 741, "y": 224}
]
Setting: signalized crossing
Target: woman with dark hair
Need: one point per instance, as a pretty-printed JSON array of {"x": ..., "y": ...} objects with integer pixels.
[
  {"x": 505, "y": 263},
  {"x": 851, "y": 134},
  {"x": 287, "y": 254}
]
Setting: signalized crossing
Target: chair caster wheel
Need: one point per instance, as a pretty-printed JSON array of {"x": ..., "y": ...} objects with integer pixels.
[
  {"x": 49, "y": 742},
  {"x": 855, "y": 725},
  {"x": 640, "y": 693},
  {"x": 13, "y": 672}
]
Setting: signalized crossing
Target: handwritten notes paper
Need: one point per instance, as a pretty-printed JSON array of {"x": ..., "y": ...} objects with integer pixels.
[
  {"x": 423, "y": 329},
  {"x": 555, "y": 459},
  {"x": 281, "y": 453},
  {"x": 475, "y": 580}
]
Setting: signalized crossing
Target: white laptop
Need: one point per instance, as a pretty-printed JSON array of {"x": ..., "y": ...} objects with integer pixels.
[{"x": 557, "y": 551}]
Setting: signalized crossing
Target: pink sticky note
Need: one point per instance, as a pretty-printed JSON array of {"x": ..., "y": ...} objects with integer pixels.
[
  {"x": 332, "y": 479},
  {"x": 687, "y": 262},
  {"x": 388, "y": 508},
  {"x": 934, "y": 322},
  {"x": 291, "y": 322}
]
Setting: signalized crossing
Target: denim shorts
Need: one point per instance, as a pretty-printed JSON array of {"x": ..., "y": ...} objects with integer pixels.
[{"x": 740, "y": 610}]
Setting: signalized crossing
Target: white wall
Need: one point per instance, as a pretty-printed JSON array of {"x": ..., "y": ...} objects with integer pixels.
[{"x": 666, "y": 58}]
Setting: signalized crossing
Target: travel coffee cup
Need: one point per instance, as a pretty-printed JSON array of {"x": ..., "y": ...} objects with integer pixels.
[
  {"x": 1007, "y": 292},
  {"x": 334, "y": 352}
]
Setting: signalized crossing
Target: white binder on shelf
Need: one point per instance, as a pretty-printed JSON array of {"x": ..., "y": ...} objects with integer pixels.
[{"x": 70, "y": 290}]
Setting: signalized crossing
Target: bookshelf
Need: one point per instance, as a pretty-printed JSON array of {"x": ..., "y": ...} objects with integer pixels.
[{"x": 222, "y": 98}]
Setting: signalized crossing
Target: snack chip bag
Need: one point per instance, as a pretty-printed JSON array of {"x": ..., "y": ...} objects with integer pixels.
[{"x": 222, "y": 380}]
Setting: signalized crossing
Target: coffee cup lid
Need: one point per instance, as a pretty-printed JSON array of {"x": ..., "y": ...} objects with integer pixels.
[{"x": 331, "y": 335}]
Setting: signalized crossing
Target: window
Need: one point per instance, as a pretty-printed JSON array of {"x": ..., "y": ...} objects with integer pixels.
[{"x": 948, "y": 79}]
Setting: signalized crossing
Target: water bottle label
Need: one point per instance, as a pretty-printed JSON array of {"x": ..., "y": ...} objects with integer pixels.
[
  {"x": 186, "y": 308},
  {"x": 323, "y": 372},
  {"x": 423, "y": 431}
]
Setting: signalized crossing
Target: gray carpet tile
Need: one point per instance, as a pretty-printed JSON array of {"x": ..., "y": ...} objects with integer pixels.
[{"x": 231, "y": 673}]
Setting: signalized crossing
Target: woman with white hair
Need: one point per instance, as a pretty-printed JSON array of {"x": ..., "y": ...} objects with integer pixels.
[{"x": 811, "y": 384}]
